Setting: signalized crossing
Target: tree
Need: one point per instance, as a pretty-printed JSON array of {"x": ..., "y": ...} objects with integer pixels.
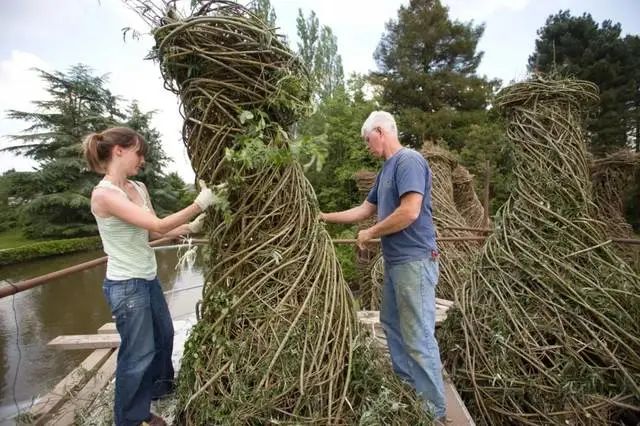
[
  {"x": 577, "y": 46},
  {"x": 632, "y": 43},
  {"x": 264, "y": 10},
  {"x": 318, "y": 48},
  {"x": 78, "y": 104},
  {"x": 56, "y": 197},
  {"x": 428, "y": 75},
  {"x": 340, "y": 119}
]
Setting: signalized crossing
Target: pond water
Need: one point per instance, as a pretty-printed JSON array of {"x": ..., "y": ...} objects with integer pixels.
[{"x": 70, "y": 305}]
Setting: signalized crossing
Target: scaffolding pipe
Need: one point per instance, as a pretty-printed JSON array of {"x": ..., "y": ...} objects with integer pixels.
[{"x": 13, "y": 288}]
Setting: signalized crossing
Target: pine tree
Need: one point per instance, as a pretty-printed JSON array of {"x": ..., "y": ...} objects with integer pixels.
[
  {"x": 56, "y": 197},
  {"x": 577, "y": 46},
  {"x": 427, "y": 70}
]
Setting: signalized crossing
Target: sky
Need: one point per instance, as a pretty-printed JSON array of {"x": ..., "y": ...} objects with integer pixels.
[{"x": 54, "y": 35}]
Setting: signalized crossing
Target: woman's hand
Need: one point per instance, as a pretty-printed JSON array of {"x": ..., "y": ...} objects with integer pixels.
[
  {"x": 196, "y": 225},
  {"x": 205, "y": 198}
]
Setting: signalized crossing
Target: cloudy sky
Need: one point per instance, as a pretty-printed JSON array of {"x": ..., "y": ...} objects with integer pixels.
[{"x": 54, "y": 35}]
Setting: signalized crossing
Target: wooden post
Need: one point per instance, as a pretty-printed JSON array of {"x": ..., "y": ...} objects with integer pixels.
[{"x": 487, "y": 179}]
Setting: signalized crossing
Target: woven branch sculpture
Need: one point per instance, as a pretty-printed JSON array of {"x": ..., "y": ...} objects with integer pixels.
[
  {"x": 611, "y": 177},
  {"x": 277, "y": 340},
  {"x": 548, "y": 327},
  {"x": 466, "y": 199},
  {"x": 369, "y": 289},
  {"x": 455, "y": 256}
]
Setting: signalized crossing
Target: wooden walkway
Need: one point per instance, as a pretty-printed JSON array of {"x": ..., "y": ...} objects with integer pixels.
[
  {"x": 457, "y": 413},
  {"x": 80, "y": 388}
]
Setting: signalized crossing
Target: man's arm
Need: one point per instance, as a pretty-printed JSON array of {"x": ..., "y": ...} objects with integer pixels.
[
  {"x": 356, "y": 214},
  {"x": 403, "y": 216}
]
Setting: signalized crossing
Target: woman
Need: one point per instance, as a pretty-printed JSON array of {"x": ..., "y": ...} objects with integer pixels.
[{"x": 126, "y": 220}]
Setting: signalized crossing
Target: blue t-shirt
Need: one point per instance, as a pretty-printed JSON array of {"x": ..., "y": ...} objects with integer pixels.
[{"x": 406, "y": 171}]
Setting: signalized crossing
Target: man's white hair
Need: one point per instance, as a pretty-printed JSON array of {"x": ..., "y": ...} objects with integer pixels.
[{"x": 379, "y": 119}]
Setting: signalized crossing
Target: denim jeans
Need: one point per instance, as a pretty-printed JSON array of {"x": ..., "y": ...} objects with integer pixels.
[
  {"x": 144, "y": 367},
  {"x": 408, "y": 317}
]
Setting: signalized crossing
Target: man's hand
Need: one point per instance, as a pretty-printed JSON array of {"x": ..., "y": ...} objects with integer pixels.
[{"x": 364, "y": 237}]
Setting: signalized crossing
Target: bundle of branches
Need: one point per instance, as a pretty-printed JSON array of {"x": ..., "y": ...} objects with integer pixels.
[
  {"x": 611, "y": 177},
  {"x": 466, "y": 200},
  {"x": 547, "y": 330},
  {"x": 369, "y": 289},
  {"x": 455, "y": 256},
  {"x": 277, "y": 341}
]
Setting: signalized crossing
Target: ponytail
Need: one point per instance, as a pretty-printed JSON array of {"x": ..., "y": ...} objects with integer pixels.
[{"x": 97, "y": 147}]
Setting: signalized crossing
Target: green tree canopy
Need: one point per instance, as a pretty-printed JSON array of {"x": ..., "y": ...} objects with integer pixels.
[
  {"x": 577, "y": 46},
  {"x": 318, "y": 48},
  {"x": 427, "y": 70},
  {"x": 55, "y": 199},
  {"x": 340, "y": 119},
  {"x": 263, "y": 9}
]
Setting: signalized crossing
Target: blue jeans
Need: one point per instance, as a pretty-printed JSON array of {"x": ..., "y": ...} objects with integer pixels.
[
  {"x": 408, "y": 317},
  {"x": 144, "y": 367}
]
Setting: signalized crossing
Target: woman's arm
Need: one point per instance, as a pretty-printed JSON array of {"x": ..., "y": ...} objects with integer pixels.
[
  {"x": 114, "y": 204},
  {"x": 176, "y": 232}
]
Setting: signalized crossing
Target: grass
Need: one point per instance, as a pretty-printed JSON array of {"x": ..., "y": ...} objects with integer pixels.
[{"x": 14, "y": 238}]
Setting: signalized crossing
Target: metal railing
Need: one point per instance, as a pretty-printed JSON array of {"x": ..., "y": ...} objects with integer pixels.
[{"x": 13, "y": 288}]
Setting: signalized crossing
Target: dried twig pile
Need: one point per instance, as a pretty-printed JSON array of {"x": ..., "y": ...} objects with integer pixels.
[
  {"x": 277, "y": 341},
  {"x": 548, "y": 327}
]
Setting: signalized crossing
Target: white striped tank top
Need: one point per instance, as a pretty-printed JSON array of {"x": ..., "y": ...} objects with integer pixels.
[{"x": 126, "y": 245}]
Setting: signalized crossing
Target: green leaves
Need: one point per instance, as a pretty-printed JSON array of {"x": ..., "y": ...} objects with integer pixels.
[
  {"x": 577, "y": 46},
  {"x": 428, "y": 74},
  {"x": 54, "y": 199},
  {"x": 318, "y": 49}
]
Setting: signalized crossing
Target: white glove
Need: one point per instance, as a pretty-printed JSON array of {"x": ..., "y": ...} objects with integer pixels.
[
  {"x": 196, "y": 224},
  {"x": 205, "y": 197}
]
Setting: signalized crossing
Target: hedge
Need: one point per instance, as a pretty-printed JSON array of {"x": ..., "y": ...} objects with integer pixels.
[{"x": 48, "y": 248}]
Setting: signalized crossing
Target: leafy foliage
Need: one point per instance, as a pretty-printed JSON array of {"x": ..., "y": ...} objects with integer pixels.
[
  {"x": 427, "y": 73},
  {"x": 339, "y": 119},
  {"x": 48, "y": 248},
  {"x": 54, "y": 200},
  {"x": 264, "y": 10},
  {"x": 577, "y": 46},
  {"x": 318, "y": 48}
]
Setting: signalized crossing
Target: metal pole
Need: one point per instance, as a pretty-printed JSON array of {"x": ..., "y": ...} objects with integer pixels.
[
  {"x": 466, "y": 228},
  {"x": 487, "y": 181},
  {"x": 14, "y": 288}
]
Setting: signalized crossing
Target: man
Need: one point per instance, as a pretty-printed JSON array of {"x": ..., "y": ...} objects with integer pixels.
[{"x": 401, "y": 196}]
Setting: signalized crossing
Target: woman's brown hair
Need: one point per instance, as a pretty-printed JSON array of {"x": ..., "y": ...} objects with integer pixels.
[{"x": 97, "y": 147}]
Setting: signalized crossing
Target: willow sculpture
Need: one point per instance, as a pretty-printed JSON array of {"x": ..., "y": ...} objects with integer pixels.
[
  {"x": 369, "y": 289},
  {"x": 548, "y": 327},
  {"x": 611, "y": 177},
  {"x": 466, "y": 199},
  {"x": 455, "y": 256},
  {"x": 277, "y": 340}
]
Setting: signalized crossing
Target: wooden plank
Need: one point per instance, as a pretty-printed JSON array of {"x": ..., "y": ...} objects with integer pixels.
[
  {"x": 60, "y": 393},
  {"x": 86, "y": 341},
  {"x": 66, "y": 414},
  {"x": 373, "y": 317},
  {"x": 108, "y": 328},
  {"x": 444, "y": 302},
  {"x": 457, "y": 413}
]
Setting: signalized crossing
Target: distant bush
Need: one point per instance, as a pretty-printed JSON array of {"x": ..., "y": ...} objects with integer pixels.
[{"x": 48, "y": 248}]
